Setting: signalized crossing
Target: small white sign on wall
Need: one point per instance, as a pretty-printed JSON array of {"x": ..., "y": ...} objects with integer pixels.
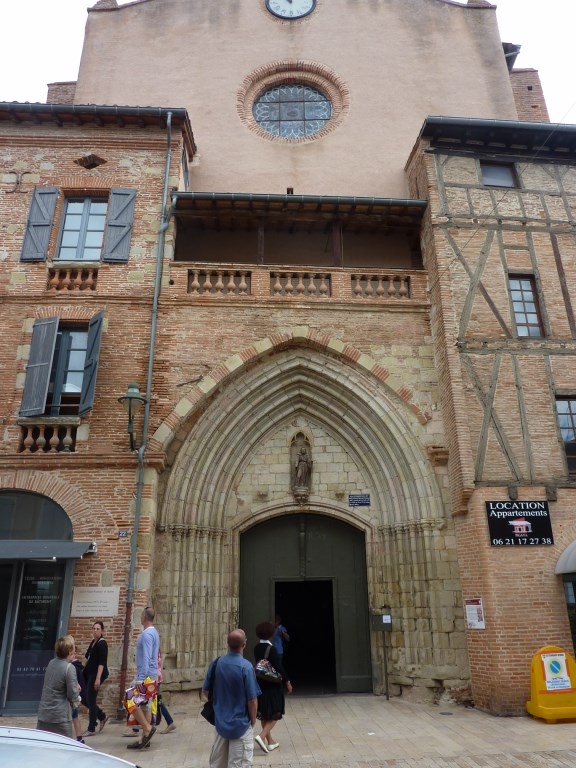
[
  {"x": 475, "y": 613},
  {"x": 95, "y": 602}
]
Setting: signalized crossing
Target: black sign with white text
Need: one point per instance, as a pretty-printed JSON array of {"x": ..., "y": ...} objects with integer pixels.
[{"x": 519, "y": 523}]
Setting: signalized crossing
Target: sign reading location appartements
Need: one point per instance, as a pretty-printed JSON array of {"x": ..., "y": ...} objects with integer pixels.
[{"x": 519, "y": 523}]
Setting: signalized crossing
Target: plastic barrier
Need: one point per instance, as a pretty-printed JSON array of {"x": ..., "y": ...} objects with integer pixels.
[{"x": 552, "y": 681}]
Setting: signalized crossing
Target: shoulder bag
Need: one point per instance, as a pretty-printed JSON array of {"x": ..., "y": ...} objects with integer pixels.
[
  {"x": 207, "y": 710},
  {"x": 265, "y": 671}
]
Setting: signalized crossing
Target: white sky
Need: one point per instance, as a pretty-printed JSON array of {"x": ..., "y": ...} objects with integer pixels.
[{"x": 42, "y": 41}]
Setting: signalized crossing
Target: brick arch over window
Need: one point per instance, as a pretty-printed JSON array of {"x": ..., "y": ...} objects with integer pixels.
[
  {"x": 63, "y": 492},
  {"x": 296, "y": 71}
]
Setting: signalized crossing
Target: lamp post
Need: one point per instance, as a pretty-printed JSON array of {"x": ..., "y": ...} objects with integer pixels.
[{"x": 132, "y": 402}]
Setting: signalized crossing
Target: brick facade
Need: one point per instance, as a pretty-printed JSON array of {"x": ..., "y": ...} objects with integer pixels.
[{"x": 368, "y": 315}]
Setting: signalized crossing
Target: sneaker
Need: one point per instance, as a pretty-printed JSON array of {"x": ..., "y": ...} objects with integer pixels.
[
  {"x": 88, "y": 733},
  {"x": 169, "y": 728},
  {"x": 272, "y": 747},
  {"x": 103, "y": 723}
]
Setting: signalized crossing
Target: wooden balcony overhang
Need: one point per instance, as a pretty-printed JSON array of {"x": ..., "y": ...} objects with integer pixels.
[{"x": 246, "y": 211}]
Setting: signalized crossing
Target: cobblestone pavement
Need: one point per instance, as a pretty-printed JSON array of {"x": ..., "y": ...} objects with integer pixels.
[{"x": 360, "y": 732}]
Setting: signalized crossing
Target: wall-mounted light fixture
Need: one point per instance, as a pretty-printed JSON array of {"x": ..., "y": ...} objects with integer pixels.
[{"x": 132, "y": 402}]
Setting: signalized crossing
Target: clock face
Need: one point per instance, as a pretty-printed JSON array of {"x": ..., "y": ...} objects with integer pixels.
[{"x": 290, "y": 9}]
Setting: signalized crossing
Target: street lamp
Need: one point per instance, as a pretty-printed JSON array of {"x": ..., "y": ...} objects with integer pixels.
[{"x": 132, "y": 402}]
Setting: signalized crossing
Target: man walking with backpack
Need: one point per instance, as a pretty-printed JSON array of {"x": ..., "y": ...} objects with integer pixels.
[{"x": 235, "y": 698}]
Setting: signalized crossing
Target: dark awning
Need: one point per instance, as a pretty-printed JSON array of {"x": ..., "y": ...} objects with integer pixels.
[
  {"x": 516, "y": 137},
  {"x": 22, "y": 549},
  {"x": 248, "y": 211}
]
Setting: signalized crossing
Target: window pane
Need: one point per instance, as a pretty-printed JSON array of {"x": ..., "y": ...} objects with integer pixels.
[
  {"x": 70, "y": 239},
  {"x": 91, "y": 254},
  {"x": 72, "y": 223},
  {"x": 94, "y": 239},
  {"x": 75, "y": 206},
  {"x": 495, "y": 175},
  {"x": 566, "y": 409},
  {"x": 84, "y": 224},
  {"x": 292, "y": 111},
  {"x": 67, "y": 254},
  {"x": 525, "y": 307},
  {"x": 67, "y": 371}
]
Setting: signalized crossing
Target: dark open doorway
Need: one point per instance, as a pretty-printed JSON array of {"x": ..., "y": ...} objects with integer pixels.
[{"x": 307, "y": 612}]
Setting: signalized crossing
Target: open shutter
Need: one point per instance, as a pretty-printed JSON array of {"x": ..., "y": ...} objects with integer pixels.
[
  {"x": 119, "y": 225},
  {"x": 39, "y": 366},
  {"x": 91, "y": 364},
  {"x": 39, "y": 226}
]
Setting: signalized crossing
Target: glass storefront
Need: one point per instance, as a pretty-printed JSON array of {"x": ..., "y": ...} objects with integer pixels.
[{"x": 37, "y": 557}]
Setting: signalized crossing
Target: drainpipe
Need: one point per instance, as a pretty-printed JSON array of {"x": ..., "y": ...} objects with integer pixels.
[{"x": 164, "y": 222}]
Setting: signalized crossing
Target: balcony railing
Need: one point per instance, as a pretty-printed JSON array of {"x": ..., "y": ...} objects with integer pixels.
[
  {"x": 261, "y": 283},
  {"x": 48, "y": 434},
  {"x": 72, "y": 279}
]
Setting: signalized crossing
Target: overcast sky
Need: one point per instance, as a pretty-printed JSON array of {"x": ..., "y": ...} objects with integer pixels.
[{"x": 42, "y": 41}]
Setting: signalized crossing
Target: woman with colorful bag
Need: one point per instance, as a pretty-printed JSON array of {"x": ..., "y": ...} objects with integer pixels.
[{"x": 273, "y": 681}]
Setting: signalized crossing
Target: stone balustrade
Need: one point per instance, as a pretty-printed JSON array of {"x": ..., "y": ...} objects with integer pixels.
[
  {"x": 48, "y": 436},
  {"x": 72, "y": 279},
  {"x": 381, "y": 286}
]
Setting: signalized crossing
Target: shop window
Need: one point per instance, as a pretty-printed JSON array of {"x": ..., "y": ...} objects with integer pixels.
[
  {"x": 526, "y": 311},
  {"x": 92, "y": 228},
  {"x": 566, "y": 413},
  {"x": 498, "y": 174},
  {"x": 61, "y": 371}
]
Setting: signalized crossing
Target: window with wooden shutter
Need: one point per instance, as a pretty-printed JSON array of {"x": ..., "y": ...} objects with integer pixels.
[
  {"x": 39, "y": 226},
  {"x": 91, "y": 364},
  {"x": 119, "y": 225},
  {"x": 61, "y": 373},
  {"x": 39, "y": 366}
]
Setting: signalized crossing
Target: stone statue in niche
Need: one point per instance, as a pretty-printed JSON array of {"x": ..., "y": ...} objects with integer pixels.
[{"x": 301, "y": 468}]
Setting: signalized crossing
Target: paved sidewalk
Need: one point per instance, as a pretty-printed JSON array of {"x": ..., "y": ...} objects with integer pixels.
[{"x": 361, "y": 732}]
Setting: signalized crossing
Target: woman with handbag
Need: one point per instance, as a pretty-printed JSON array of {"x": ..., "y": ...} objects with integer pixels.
[{"x": 273, "y": 680}]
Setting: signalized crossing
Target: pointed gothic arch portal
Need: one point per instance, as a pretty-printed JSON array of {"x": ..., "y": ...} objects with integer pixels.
[{"x": 311, "y": 570}]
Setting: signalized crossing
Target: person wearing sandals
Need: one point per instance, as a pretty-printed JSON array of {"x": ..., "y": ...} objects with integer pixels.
[
  {"x": 95, "y": 674},
  {"x": 147, "y": 650},
  {"x": 271, "y": 700}
]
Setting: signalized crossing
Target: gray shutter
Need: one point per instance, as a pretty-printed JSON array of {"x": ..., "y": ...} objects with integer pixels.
[
  {"x": 91, "y": 364},
  {"x": 39, "y": 366},
  {"x": 39, "y": 226},
  {"x": 119, "y": 225}
]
